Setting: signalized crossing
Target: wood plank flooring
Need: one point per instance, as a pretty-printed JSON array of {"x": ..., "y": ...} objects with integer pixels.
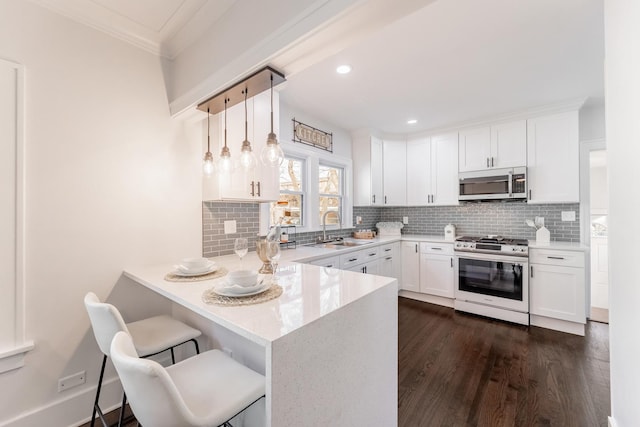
[{"x": 457, "y": 370}]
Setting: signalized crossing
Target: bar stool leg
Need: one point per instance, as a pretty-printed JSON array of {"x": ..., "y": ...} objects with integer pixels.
[{"x": 95, "y": 404}]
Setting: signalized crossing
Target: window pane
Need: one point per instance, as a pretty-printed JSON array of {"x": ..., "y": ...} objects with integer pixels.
[
  {"x": 330, "y": 180},
  {"x": 330, "y": 204},
  {"x": 291, "y": 175},
  {"x": 287, "y": 210}
]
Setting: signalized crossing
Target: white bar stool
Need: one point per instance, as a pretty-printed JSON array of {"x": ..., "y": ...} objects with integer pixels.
[
  {"x": 151, "y": 336},
  {"x": 206, "y": 390}
]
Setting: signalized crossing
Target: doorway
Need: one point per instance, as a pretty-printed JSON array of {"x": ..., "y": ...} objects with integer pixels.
[{"x": 598, "y": 235}]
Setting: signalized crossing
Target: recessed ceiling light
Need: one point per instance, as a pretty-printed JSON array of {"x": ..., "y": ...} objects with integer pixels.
[
  {"x": 412, "y": 122},
  {"x": 343, "y": 69}
]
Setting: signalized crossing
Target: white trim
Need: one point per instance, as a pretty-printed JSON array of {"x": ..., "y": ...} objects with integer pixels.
[
  {"x": 13, "y": 357},
  {"x": 612, "y": 422}
]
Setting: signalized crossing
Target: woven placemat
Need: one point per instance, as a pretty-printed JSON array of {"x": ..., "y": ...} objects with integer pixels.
[
  {"x": 210, "y": 297},
  {"x": 170, "y": 277}
]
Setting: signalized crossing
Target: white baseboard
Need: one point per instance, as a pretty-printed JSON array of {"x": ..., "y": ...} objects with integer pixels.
[
  {"x": 75, "y": 408},
  {"x": 612, "y": 422},
  {"x": 433, "y": 299},
  {"x": 558, "y": 325}
]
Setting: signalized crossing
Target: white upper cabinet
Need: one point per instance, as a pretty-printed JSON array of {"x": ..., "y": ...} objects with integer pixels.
[
  {"x": 432, "y": 170},
  {"x": 260, "y": 183},
  {"x": 367, "y": 171},
  {"x": 553, "y": 158},
  {"x": 418, "y": 171},
  {"x": 509, "y": 144},
  {"x": 395, "y": 172},
  {"x": 499, "y": 146},
  {"x": 474, "y": 147}
]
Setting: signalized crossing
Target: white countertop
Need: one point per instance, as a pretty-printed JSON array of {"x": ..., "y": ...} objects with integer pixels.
[{"x": 309, "y": 292}]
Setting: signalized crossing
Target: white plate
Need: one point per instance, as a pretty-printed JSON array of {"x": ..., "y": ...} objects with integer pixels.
[
  {"x": 241, "y": 290},
  {"x": 181, "y": 273},
  {"x": 224, "y": 291},
  {"x": 183, "y": 269}
]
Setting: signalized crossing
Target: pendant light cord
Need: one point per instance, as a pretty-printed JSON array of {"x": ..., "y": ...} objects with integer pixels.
[
  {"x": 271, "y": 102},
  {"x": 208, "y": 131},
  {"x": 246, "y": 132},
  {"x": 225, "y": 121}
]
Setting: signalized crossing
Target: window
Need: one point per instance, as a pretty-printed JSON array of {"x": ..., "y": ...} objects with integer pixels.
[
  {"x": 330, "y": 191},
  {"x": 289, "y": 207}
]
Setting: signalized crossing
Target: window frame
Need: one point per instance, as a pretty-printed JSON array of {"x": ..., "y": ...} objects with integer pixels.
[
  {"x": 340, "y": 196},
  {"x": 303, "y": 190}
]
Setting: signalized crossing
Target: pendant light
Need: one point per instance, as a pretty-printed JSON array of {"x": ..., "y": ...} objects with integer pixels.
[
  {"x": 247, "y": 158},
  {"x": 224, "y": 163},
  {"x": 208, "y": 167},
  {"x": 272, "y": 154}
]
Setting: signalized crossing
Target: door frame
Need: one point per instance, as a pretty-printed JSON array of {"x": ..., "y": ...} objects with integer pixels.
[{"x": 586, "y": 147}]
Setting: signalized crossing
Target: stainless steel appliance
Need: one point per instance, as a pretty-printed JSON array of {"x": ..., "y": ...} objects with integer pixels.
[
  {"x": 492, "y": 277},
  {"x": 493, "y": 184}
]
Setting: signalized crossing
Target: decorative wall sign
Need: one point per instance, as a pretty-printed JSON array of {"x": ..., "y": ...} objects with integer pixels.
[{"x": 309, "y": 135}]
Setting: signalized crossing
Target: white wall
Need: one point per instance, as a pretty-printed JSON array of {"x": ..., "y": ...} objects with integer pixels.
[
  {"x": 599, "y": 189},
  {"x": 592, "y": 122},
  {"x": 622, "y": 68},
  {"x": 341, "y": 138},
  {"x": 111, "y": 181}
]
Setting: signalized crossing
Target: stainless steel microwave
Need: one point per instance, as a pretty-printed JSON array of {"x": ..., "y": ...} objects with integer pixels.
[{"x": 494, "y": 184}]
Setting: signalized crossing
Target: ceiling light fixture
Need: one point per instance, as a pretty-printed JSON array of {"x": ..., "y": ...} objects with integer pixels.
[
  {"x": 247, "y": 158},
  {"x": 208, "y": 167},
  {"x": 272, "y": 154},
  {"x": 343, "y": 69},
  {"x": 224, "y": 163},
  {"x": 412, "y": 121}
]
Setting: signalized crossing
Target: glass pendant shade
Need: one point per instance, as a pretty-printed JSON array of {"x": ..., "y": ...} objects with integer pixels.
[
  {"x": 272, "y": 154},
  {"x": 247, "y": 158},
  {"x": 225, "y": 164},
  {"x": 208, "y": 166}
]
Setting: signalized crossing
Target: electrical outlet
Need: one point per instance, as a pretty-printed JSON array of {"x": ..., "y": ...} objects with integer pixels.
[
  {"x": 72, "y": 381},
  {"x": 568, "y": 215},
  {"x": 230, "y": 226},
  {"x": 405, "y": 220}
]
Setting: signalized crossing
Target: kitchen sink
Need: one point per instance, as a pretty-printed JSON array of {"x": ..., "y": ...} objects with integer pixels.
[{"x": 338, "y": 245}]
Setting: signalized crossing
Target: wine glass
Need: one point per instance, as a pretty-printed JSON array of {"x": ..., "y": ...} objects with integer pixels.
[
  {"x": 241, "y": 247},
  {"x": 273, "y": 255}
]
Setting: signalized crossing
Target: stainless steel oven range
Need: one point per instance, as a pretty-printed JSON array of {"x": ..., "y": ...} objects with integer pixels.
[{"x": 492, "y": 277}]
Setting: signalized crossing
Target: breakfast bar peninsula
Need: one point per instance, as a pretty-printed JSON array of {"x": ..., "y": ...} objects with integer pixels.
[{"x": 327, "y": 345}]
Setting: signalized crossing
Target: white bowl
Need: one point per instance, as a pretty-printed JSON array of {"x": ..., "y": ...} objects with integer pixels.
[
  {"x": 195, "y": 263},
  {"x": 242, "y": 277}
]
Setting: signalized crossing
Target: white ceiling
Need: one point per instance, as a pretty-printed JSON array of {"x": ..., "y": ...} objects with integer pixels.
[
  {"x": 162, "y": 27},
  {"x": 459, "y": 60}
]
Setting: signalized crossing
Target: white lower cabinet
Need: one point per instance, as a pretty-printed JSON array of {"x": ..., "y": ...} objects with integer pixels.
[
  {"x": 557, "y": 289},
  {"x": 436, "y": 269},
  {"x": 410, "y": 280},
  {"x": 330, "y": 262}
]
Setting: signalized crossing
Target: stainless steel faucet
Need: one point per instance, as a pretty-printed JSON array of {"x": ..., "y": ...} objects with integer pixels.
[{"x": 324, "y": 223}]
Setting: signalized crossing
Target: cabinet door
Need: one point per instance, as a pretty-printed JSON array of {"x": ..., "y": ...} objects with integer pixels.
[
  {"x": 557, "y": 292},
  {"x": 395, "y": 172},
  {"x": 237, "y": 184},
  {"x": 419, "y": 164},
  {"x": 437, "y": 275},
  {"x": 377, "y": 167},
  {"x": 474, "y": 147},
  {"x": 372, "y": 267},
  {"x": 410, "y": 267},
  {"x": 444, "y": 169},
  {"x": 267, "y": 177},
  {"x": 553, "y": 158},
  {"x": 509, "y": 144},
  {"x": 330, "y": 262}
]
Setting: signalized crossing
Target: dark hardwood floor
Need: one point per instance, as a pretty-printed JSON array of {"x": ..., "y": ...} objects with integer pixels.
[
  {"x": 457, "y": 369},
  {"x": 463, "y": 370}
]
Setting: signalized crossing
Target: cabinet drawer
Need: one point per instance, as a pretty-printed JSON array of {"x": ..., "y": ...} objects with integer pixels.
[
  {"x": 358, "y": 257},
  {"x": 331, "y": 262},
  {"x": 386, "y": 251},
  {"x": 553, "y": 257},
  {"x": 436, "y": 248}
]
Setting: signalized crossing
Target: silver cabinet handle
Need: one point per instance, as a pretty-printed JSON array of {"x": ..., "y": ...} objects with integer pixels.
[
  {"x": 258, "y": 188},
  {"x": 555, "y": 257},
  {"x": 492, "y": 162},
  {"x": 387, "y": 250},
  {"x": 329, "y": 266},
  {"x": 451, "y": 259},
  {"x": 436, "y": 249},
  {"x": 529, "y": 194},
  {"x": 385, "y": 200},
  {"x": 374, "y": 198},
  {"x": 372, "y": 254},
  {"x": 416, "y": 248},
  {"x": 531, "y": 271},
  {"x": 253, "y": 187},
  {"x": 364, "y": 270},
  {"x": 389, "y": 258},
  {"x": 353, "y": 259},
  {"x": 487, "y": 162}
]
